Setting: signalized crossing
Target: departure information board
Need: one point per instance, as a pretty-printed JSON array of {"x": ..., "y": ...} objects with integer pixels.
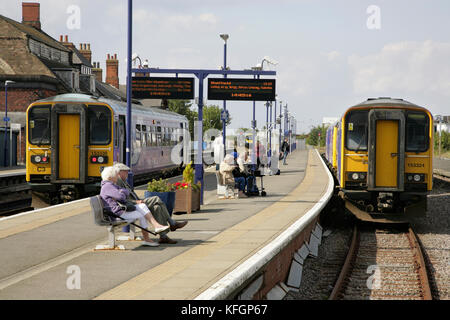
[
  {"x": 162, "y": 88},
  {"x": 241, "y": 89}
]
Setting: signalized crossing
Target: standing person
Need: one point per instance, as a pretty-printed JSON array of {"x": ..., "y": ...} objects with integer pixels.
[
  {"x": 285, "y": 149},
  {"x": 114, "y": 199},
  {"x": 154, "y": 204}
]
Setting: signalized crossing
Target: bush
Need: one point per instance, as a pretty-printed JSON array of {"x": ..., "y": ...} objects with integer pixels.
[
  {"x": 159, "y": 186},
  {"x": 445, "y": 141}
]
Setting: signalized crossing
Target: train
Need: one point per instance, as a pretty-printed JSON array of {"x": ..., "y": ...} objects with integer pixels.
[
  {"x": 70, "y": 138},
  {"x": 381, "y": 154}
]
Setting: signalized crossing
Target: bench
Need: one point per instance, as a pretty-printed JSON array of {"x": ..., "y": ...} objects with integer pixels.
[{"x": 101, "y": 218}]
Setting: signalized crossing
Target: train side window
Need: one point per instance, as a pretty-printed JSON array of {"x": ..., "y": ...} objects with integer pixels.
[
  {"x": 116, "y": 135},
  {"x": 356, "y": 130},
  {"x": 144, "y": 135},
  {"x": 99, "y": 119},
  {"x": 138, "y": 135},
  {"x": 39, "y": 125},
  {"x": 417, "y": 128}
]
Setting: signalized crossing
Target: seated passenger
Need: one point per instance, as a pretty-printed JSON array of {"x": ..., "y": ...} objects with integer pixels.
[
  {"x": 226, "y": 170},
  {"x": 114, "y": 197},
  {"x": 240, "y": 176},
  {"x": 155, "y": 204}
]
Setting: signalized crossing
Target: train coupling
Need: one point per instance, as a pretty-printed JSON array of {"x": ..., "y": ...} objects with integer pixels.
[
  {"x": 69, "y": 193},
  {"x": 385, "y": 201}
]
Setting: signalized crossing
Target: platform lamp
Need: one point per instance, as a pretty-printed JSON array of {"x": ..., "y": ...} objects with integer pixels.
[{"x": 6, "y": 119}]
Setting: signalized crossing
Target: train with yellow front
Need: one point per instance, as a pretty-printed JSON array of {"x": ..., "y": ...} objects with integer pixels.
[{"x": 381, "y": 154}]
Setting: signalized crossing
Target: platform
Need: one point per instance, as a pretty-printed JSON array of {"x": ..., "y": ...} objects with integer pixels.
[{"x": 38, "y": 248}]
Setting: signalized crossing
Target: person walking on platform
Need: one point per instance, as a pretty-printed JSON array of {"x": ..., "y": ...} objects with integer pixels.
[
  {"x": 285, "y": 149},
  {"x": 114, "y": 198},
  {"x": 154, "y": 204}
]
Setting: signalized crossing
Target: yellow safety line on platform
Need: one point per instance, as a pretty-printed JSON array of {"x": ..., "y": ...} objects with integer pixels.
[{"x": 190, "y": 273}]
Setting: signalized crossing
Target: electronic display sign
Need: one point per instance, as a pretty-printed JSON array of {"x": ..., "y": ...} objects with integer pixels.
[
  {"x": 162, "y": 88},
  {"x": 241, "y": 89}
]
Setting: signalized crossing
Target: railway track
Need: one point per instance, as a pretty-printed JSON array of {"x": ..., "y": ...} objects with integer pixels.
[{"x": 383, "y": 264}]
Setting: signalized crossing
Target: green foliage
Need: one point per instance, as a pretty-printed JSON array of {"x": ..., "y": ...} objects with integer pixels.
[
  {"x": 188, "y": 176},
  {"x": 313, "y": 136},
  {"x": 445, "y": 141},
  {"x": 211, "y": 114},
  {"x": 159, "y": 186}
]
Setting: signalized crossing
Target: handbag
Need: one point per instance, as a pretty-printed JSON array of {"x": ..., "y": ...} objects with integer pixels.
[{"x": 128, "y": 206}]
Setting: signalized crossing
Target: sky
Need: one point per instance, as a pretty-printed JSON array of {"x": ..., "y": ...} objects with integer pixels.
[{"x": 331, "y": 54}]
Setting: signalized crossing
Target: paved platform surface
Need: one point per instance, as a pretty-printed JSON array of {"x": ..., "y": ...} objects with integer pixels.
[
  {"x": 4, "y": 171},
  {"x": 38, "y": 248},
  {"x": 442, "y": 166}
]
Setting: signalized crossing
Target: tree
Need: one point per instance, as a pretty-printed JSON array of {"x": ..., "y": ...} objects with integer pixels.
[{"x": 313, "y": 136}]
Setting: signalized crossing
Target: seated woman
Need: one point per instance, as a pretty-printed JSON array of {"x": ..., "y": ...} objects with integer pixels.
[
  {"x": 113, "y": 196},
  {"x": 226, "y": 170}
]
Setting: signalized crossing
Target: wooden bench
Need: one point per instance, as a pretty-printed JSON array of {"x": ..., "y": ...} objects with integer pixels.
[{"x": 101, "y": 218}]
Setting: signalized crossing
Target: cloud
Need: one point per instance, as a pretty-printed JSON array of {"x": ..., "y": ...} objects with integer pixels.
[{"x": 405, "y": 67}]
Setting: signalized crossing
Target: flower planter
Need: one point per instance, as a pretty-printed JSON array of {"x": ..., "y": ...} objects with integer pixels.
[
  {"x": 187, "y": 200},
  {"x": 167, "y": 197}
]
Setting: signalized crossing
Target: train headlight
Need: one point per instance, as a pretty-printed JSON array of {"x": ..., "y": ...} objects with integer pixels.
[
  {"x": 40, "y": 159},
  {"x": 416, "y": 178},
  {"x": 355, "y": 176},
  {"x": 410, "y": 177},
  {"x": 99, "y": 159}
]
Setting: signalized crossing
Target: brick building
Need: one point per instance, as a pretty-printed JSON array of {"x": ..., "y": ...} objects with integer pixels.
[{"x": 41, "y": 66}]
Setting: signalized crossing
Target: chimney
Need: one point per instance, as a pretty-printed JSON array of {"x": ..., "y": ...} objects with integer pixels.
[
  {"x": 86, "y": 51},
  {"x": 66, "y": 42},
  {"x": 112, "y": 71},
  {"x": 31, "y": 14},
  {"x": 97, "y": 71}
]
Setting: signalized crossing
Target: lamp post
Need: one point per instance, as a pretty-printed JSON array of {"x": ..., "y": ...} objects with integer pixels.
[
  {"x": 224, "y": 122},
  {"x": 6, "y": 119}
]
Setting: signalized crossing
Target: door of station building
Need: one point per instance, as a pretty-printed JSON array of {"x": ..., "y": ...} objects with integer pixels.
[
  {"x": 69, "y": 146},
  {"x": 386, "y": 167}
]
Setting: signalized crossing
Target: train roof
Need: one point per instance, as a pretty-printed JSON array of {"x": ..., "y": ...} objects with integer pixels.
[
  {"x": 117, "y": 106},
  {"x": 386, "y": 101}
]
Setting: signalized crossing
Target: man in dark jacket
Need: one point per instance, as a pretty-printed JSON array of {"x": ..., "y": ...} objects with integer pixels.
[
  {"x": 154, "y": 204},
  {"x": 285, "y": 149}
]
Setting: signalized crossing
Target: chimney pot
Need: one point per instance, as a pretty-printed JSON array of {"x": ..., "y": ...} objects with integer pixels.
[
  {"x": 67, "y": 38},
  {"x": 31, "y": 14},
  {"x": 89, "y": 46},
  {"x": 60, "y": 38},
  {"x": 115, "y": 56}
]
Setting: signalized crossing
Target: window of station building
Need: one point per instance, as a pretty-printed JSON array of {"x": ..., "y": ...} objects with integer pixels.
[
  {"x": 417, "y": 132},
  {"x": 39, "y": 125},
  {"x": 99, "y": 119},
  {"x": 356, "y": 130}
]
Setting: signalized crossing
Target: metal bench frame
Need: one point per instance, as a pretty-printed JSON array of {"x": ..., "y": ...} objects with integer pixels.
[{"x": 103, "y": 219}]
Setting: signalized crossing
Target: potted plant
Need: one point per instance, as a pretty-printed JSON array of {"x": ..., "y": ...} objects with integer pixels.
[
  {"x": 187, "y": 193},
  {"x": 164, "y": 190}
]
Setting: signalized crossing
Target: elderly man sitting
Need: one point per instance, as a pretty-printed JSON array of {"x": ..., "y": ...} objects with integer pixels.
[{"x": 155, "y": 204}]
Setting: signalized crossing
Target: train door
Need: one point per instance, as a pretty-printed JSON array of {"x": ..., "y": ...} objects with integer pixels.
[
  {"x": 386, "y": 150},
  {"x": 386, "y": 166},
  {"x": 69, "y": 146},
  {"x": 122, "y": 139},
  {"x": 69, "y": 143}
]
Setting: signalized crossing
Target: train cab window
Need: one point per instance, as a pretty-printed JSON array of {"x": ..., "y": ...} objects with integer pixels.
[
  {"x": 39, "y": 125},
  {"x": 99, "y": 119},
  {"x": 417, "y": 128},
  {"x": 356, "y": 130}
]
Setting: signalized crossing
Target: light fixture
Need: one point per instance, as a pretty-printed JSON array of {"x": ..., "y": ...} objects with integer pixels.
[{"x": 224, "y": 36}]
